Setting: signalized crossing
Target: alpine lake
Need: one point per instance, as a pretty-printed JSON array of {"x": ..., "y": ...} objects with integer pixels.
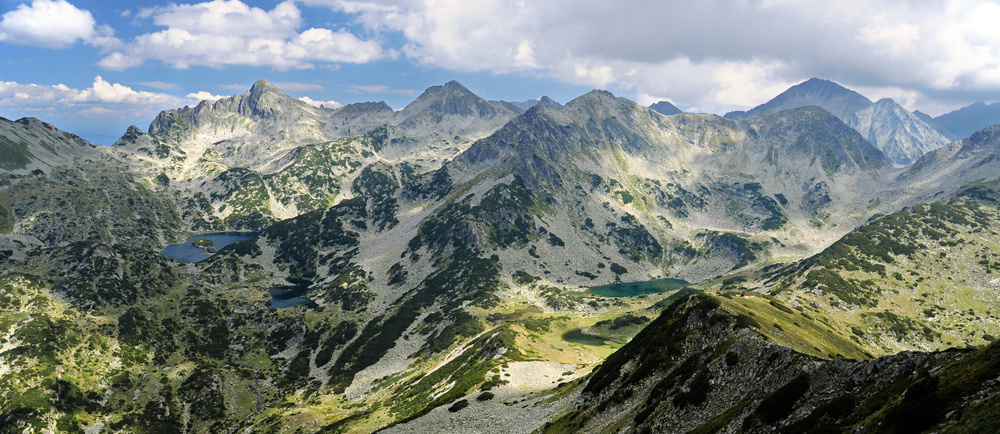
[
  {"x": 199, "y": 247},
  {"x": 630, "y": 289}
]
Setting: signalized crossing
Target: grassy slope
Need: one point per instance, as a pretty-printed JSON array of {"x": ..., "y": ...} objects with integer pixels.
[{"x": 919, "y": 279}]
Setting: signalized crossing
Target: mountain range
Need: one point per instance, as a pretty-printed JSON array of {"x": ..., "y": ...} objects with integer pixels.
[{"x": 448, "y": 265}]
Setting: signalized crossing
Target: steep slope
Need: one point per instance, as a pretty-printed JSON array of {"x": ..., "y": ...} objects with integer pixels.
[
  {"x": 967, "y": 120},
  {"x": 79, "y": 220},
  {"x": 834, "y": 98},
  {"x": 936, "y": 125},
  {"x": 790, "y": 349},
  {"x": 899, "y": 134},
  {"x": 29, "y": 144},
  {"x": 721, "y": 373},
  {"x": 947, "y": 170},
  {"x": 909, "y": 280}
]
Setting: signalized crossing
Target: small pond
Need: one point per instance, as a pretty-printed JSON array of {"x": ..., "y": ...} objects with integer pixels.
[
  {"x": 637, "y": 288},
  {"x": 579, "y": 337},
  {"x": 287, "y": 296},
  {"x": 189, "y": 252}
]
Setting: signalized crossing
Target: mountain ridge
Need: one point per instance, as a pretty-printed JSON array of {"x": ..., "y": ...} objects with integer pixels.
[
  {"x": 899, "y": 134},
  {"x": 450, "y": 251}
]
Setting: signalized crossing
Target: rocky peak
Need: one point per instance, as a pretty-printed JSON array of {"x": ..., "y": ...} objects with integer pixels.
[
  {"x": 547, "y": 102},
  {"x": 666, "y": 108},
  {"x": 453, "y": 99},
  {"x": 599, "y": 104},
  {"x": 264, "y": 99},
  {"x": 836, "y": 99},
  {"x": 131, "y": 135},
  {"x": 899, "y": 134}
]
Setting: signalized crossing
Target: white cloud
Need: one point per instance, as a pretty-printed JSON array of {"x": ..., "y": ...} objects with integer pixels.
[
  {"x": 718, "y": 55},
  {"x": 52, "y": 24},
  {"x": 203, "y": 96},
  {"x": 101, "y": 92},
  {"x": 231, "y": 18},
  {"x": 105, "y": 92},
  {"x": 327, "y": 104},
  {"x": 227, "y": 33}
]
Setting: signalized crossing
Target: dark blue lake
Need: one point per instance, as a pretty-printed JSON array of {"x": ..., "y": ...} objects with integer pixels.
[
  {"x": 288, "y": 296},
  {"x": 187, "y": 252}
]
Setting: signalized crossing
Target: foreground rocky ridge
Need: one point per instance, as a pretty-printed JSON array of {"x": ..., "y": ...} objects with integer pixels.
[
  {"x": 703, "y": 367},
  {"x": 444, "y": 246}
]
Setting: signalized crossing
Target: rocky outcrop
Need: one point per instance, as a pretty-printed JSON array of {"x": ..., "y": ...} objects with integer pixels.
[
  {"x": 666, "y": 108},
  {"x": 702, "y": 368},
  {"x": 899, "y": 134}
]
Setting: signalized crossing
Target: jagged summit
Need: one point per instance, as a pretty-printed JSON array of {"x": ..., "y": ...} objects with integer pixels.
[
  {"x": 831, "y": 96},
  {"x": 132, "y": 134},
  {"x": 454, "y": 99},
  {"x": 666, "y": 108},
  {"x": 265, "y": 99},
  {"x": 262, "y": 101},
  {"x": 599, "y": 104},
  {"x": 547, "y": 102},
  {"x": 899, "y": 134}
]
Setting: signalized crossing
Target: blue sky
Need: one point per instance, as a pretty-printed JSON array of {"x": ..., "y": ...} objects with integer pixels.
[{"x": 95, "y": 67}]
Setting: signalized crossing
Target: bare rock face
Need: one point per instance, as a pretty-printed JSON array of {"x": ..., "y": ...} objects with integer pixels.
[{"x": 899, "y": 134}]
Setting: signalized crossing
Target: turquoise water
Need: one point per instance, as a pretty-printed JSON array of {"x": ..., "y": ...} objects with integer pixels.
[
  {"x": 637, "y": 288},
  {"x": 186, "y": 252}
]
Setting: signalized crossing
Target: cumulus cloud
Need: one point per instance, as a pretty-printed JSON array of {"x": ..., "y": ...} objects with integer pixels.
[
  {"x": 52, "y": 24},
  {"x": 718, "y": 54},
  {"x": 327, "y": 104},
  {"x": 203, "y": 96},
  {"x": 228, "y": 32},
  {"x": 101, "y": 92}
]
